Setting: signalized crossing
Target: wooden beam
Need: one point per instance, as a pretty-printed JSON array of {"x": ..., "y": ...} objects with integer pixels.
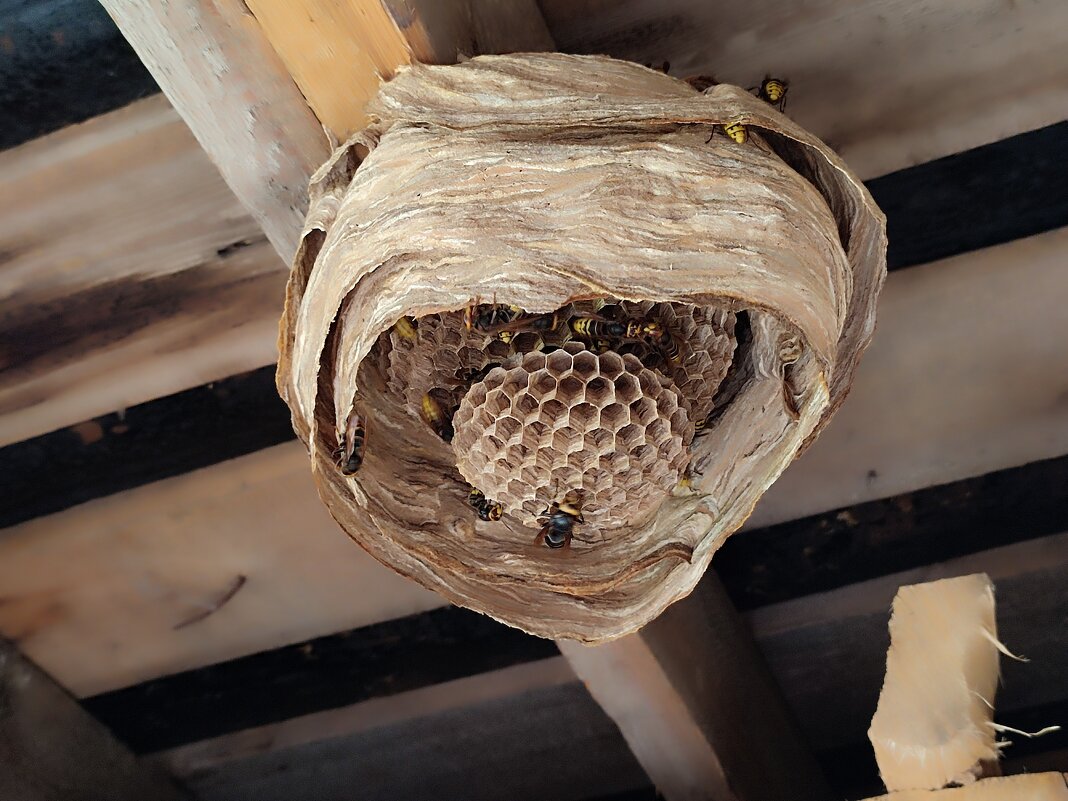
[
  {"x": 893, "y": 95},
  {"x": 397, "y": 656},
  {"x": 228, "y": 84},
  {"x": 927, "y": 327},
  {"x": 128, "y": 271},
  {"x": 174, "y": 231},
  {"x": 698, "y": 706},
  {"x": 52, "y": 750},
  {"x": 243, "y": 76},
  {"x": 547, "y": 740},
  {"x": 114, "y": 452},
  {"x": 957, "y": 385},
  {"x": 846, "y": 629},
  {"x": 338, "y": 53},
  {"x": 907, "y": 531},
  {"x": 258, "y": 516},
  {"x": 195, "y": 758},
  {"x": 64, "y": 62},
  {"x": 98, "y": 595}
]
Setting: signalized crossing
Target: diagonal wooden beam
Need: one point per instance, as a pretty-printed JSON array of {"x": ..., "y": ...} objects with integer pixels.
[
  {"x": 699, "y": 707},
  {"x": 259, "y": 82},
  {"x": 53, "y": 750},
  {"x": 220, "y": 73}
]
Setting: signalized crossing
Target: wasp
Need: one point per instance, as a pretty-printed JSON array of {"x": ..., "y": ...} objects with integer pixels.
[
  {"x": 735, "y": 131},
  {"x": 773, "y": 90},
  {"x": 349, "y": 455},
  {"x": 536, "y": 323},
  {"x": 558, "y": 525},
  {"x": 669, "y": 348},
  {"x": 601, "y": 328},
  {"x": 487, "y": 510},
  {"x": 489, "y": 319},
  {"x": 436, "y": 418},
  {"x": 405, "y": 328}
]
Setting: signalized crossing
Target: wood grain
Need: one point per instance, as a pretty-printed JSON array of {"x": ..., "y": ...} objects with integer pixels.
[
  {"x": 127, "y": 271},
  {"x": 337, "y": 53},
  {"x": 698, "y": 707},
  {"x": 888, "y": 83},
  {"x": 813, "y": 643},
  {"x": 123, "y": 571},
  {"x": 53, "y": 750},
  {"x": 960, "y": 380},
  {"x": 549, "y": 741},
  {"x": 214, "y": 64}
]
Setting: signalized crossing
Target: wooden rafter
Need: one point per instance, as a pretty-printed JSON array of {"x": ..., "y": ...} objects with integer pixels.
[
  {"x": 698, "y": 706},
  {"x": 51, "y": 748}
]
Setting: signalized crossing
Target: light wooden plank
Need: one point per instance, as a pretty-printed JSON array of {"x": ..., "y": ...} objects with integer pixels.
[
  {"x": 128, "y": 271},
  {"x": 338, "y": 53},
  {"x": 200, "y": 758},
  {"x": 698, "y": 706},
  {"x": 961, "y": 379},
  {"x": 903, "y": 83},
  {"x": 550, "y": 741},
  {"x": 101, "y": 594},
  {"x": 1037, "y": 787},
  {"x": 811, "y": 643},
  {"x": 213, "y": 62},
  {"x": 52, "y": 750}
]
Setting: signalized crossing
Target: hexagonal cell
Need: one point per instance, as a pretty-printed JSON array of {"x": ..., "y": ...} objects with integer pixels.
[
  {"x": 614, "y": 415},
  {"x": 643, "y": 411},
  {"x": 569, "y": 437},
  {"x": 538, "y": 430},
  {"x": 508, "y": 427},
  {"x": 497, "y": 350},
  {"x": 558, "y": 361},
  {"x": 586, "y": 364},
  {"x": 527, "y": 341},
  {"x": 543, "y": 382},
  {"x": 583, "y": 416},
  {"x": 526, "y": 404},
  {"x": 553, "y": 412},
  {"x": 599, "y": 390},
  {"x": 627, "y": 388},
  {"x": 611, "y": 364},
  {"x": 658, "y": 430},
  {"x": 564, "y": 438},
  {"x": 570, "y": 389},
  {"x": 628, "y": 435}
]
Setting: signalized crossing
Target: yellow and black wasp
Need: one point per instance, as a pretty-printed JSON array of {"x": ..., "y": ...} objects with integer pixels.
[
  {"x": 735, "y": 131},
  {"x": 406, "y": 329},
  {"x": 490, "y": 319},
  {"x": 437, "y": 418},
  {"x": 773, "y": 91},
  {"x": 487, "y": 510},
  {"x": 349, "y": 455},
  {"x": 558, "y": 523}
]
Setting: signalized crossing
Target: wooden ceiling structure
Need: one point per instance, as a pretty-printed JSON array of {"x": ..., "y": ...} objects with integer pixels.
[{"x": 164, "y": 556}]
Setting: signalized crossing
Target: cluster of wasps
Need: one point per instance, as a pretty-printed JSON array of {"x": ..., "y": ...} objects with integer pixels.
[
  {"x": 606, "y": 328},
  {"x": 601, "y": 325},
  {"x": 771, "y": 90}
]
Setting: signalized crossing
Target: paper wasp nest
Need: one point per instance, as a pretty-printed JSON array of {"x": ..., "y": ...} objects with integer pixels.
[{"x": 538, "y": 277}]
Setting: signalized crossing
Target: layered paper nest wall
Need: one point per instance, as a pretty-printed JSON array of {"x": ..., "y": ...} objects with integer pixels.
[{"x": 542, "y": 181}]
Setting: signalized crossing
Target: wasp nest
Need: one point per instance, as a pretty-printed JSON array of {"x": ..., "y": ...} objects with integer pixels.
[
  {"x": 602, "y": 424},
  {"x": 548, "y": 338}
]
